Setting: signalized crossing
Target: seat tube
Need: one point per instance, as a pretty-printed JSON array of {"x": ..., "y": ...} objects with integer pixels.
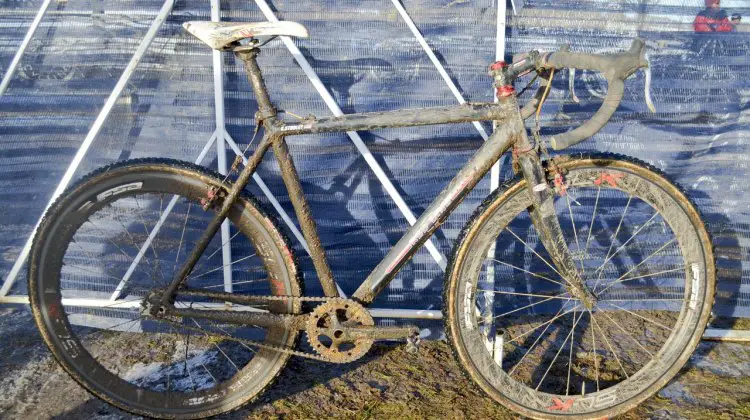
[
  {"x": 304, "y": 216},
  {"x": 255, "y": 77}
]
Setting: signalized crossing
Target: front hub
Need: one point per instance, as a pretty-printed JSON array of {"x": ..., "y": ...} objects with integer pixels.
[{"x": 578, "y": 290}]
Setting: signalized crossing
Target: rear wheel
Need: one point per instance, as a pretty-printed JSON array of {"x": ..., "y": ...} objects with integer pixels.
[
  {"x": 124, "y": 231},
  {"x": 641, "y": 247}
]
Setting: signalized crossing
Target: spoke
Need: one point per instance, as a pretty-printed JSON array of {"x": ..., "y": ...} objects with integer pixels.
[
  {"x": 222, "y": 245},
  {"x": 528, "y": 272},
  {"x": 132, "y": 241},
  {"x": 111, "y": 327},
  {"x": 628, "y": 334},
  {"x": 182, "y": 236},
  {"x": 187, "y": 346},
  {"x": 151, "y": 244},
  {"x": 88, "y": 270},
  {"x": 593, "y": 343},
  {"x": 259, "y": 306},
  {"x": 234, "y": 284},
  {"x": 209, "y": 372},
  {"x": 185, "y": 362},
  {"x": 614, "y": 236},
  {"x": 528, "y": 306},
  {"x": 145, "y": 228},
  {"x": 638, "y": 265},
  {"x": 127, "y": 232},
  {"x": 640, "y": 316},
  {"x": 591, "y": 225},
  {"x": 575, "y": 231},
  {"x": 557, "y": 315},
  {"x": 225, "y": 355},
  {"x": 637, "y": 231},
  {"x": 117, "y": 303},
  {"x": 641, "y": 300},
  {"x": 93, "y": 257},
  {"x": 525, "y": 294},
  {"x": 570, "y": 357},
  {"x": 545, "y": 323},
  {"x": 601, "y": 267},
  {"x": 227, "y": 333},
  {"x": 621, "y": 280},
  {"x": 535, "y": 253},
  {"x": 103, "y": 235},
  {"x": 120, "y": 284},
  {"x": 556, "y": 355},
  {"x": 113, "y": 304},
  {"x": 219, "y": 268},
  {"x": 161, "y": 208},
  {"x": 596, "y": 324},
  {"x": 199, "y": 359}
]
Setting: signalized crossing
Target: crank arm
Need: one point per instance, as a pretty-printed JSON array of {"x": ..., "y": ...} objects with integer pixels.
[{"x": 381, "y": 333}]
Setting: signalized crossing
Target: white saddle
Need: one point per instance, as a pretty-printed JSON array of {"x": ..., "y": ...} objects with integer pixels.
[{"x": 219, "y": 35}]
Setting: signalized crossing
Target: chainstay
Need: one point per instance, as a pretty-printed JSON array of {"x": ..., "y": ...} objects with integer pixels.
[
  {"x": 259, "y": 344},
  {"x": 273, "y": 298},
  {"x": 280, "y": 349}
]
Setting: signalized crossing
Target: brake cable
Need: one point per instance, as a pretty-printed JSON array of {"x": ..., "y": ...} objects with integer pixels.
[{"x": 558, "y": 180}]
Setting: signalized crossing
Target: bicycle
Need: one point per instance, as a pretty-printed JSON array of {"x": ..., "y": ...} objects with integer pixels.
[{"x": 132, "y": 311}]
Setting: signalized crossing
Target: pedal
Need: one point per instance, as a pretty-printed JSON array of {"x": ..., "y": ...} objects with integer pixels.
[{"x": 412, "y": 343}]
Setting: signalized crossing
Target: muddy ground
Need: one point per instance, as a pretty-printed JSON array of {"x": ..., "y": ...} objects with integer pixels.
[{"x": 387, "y": 383}]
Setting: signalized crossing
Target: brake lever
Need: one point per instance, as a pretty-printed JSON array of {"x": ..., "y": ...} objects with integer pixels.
[
  {"x": 571, "y": 84},
  {"x": 571, "y": 76},
  {"x": 647, "y": 85}
]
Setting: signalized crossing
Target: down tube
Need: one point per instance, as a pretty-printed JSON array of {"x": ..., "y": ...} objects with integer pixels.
[{"x": 479, "y": 164}]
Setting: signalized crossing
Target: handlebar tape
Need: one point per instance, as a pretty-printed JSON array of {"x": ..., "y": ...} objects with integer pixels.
[
  {"x": 615, "y": 92},
  {"x": 615, "y": 67}
]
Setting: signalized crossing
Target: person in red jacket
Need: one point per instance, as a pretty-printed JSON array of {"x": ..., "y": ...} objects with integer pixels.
[{"x": 714, "y": 19}]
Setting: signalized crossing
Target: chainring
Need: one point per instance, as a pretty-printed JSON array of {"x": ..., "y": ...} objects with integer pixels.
[{"x": 327, "y": 330}]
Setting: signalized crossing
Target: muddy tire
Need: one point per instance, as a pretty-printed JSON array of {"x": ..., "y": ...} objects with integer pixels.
[
  {"x": 88, "y": 280},
  {"x": 639, "y": 244}
]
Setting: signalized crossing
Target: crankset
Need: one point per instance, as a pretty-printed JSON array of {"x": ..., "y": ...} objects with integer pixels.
[
  {"x": 342, "y": 330},
  {"x": 339, "y": 330}
]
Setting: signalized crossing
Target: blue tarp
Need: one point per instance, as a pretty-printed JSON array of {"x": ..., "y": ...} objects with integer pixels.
[{"x": 369, "y": 60}]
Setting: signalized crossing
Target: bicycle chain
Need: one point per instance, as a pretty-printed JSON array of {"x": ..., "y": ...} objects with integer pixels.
[{"x": 259, "y": 344}]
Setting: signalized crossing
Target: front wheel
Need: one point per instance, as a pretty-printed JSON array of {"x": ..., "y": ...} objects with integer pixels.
[
  {"x": 641, "y": 247},
  {"x": 121, "y": 233}
]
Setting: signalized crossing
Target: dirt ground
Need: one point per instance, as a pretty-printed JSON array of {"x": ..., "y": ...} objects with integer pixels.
[{"x": 387, "y": 383}]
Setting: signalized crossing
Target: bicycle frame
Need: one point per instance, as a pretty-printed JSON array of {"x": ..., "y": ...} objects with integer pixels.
[{"x": 509, "y": 133}]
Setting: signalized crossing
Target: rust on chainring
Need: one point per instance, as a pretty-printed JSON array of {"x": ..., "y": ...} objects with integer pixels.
[{"x": 334, "y": 321}]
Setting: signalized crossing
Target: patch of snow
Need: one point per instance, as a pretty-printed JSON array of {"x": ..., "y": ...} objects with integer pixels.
[
  {"x": 677, "y": 393},
  {"x": 155, "y": 375}
]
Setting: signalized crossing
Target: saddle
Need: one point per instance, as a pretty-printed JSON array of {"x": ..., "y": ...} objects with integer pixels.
[{"x": 220, "y": 35}]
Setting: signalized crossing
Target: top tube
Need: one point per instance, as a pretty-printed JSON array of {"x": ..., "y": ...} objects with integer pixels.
[{"x": 466, "y": 112}]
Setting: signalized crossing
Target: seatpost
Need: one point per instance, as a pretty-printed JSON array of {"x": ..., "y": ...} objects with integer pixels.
[{"x": 248, "y": 56}]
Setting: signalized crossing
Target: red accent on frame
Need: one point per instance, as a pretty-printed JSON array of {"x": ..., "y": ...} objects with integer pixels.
[
  {"x": 505, "y": 91},
  {"x": 497, "y": 65}
]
